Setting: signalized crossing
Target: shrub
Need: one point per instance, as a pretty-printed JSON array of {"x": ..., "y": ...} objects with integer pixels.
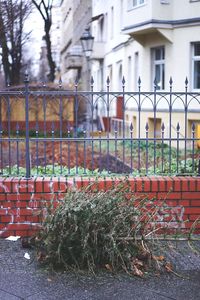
[{"x": 90, "y": 230}]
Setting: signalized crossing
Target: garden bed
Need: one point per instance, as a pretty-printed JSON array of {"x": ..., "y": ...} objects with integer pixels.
[{"x": 83, "y": 158}]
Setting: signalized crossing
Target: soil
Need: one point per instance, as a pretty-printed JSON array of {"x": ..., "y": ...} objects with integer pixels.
[{"x": 68, "y": 155}]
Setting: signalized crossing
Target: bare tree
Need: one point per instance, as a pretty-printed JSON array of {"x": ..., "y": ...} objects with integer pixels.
[
  {"x": 45, "y": 10},
  {"x": 13, "y": 14}
]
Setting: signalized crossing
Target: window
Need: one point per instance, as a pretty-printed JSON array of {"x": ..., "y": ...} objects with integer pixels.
[
  {"x": 110, "y": 75},
  {"x": 135, "y": 3},
  {"x": 158, "y": 63},
  {"x": 136, "y": 70},
  {"x": 111, "y": 22},
  {"x": 101, "y": 29},
  {"x": 129, "y": 78},
  {"x": 196, "y": 65},
  {"x": 119, "y": 76}
]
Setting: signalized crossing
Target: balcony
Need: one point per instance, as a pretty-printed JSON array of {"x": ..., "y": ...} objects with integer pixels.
[
  {"x": 149, "y": 18},
  {"x": 159, "y": 17},
  {"x": 73, "y": 59},
  {"x": 73, "y": 62}
]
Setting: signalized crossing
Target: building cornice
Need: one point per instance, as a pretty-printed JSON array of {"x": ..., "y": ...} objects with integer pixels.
[
  {"x": 123, "y": 44},
  {"x": 66, "y": 47},
  {"x": 170, "y": 23}
]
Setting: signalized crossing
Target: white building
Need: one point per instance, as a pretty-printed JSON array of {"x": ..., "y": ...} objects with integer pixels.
[
  {"x": 153, "y": 39},
  {"x": 76, "y": 15},
  {"x": 148, "y": 38}
]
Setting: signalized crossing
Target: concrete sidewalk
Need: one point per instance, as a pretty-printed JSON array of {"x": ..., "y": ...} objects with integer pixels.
[{"x": 21, "y": 278}]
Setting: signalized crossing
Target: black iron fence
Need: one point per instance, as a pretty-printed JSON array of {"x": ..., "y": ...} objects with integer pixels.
[{"x": 73, "y": 132}]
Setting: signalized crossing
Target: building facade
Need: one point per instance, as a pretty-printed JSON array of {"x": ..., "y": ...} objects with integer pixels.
[
  {"x": 76, "y": 16},
  {"x": 153, "y": 40}
]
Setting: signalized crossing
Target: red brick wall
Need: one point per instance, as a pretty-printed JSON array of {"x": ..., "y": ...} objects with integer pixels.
[{"x": 22, "y": 200}]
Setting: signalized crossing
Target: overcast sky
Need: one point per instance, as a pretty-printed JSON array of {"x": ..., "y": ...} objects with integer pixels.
[
  {"x": 34, "y": 24},
  {"x": 33, "y": 47}
]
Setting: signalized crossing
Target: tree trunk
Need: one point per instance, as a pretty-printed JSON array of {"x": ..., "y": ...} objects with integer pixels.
[
  {"x": 5, "y": 50},
  {"x": 52, "y": 65},
  {"x": 45, "y": 9}
]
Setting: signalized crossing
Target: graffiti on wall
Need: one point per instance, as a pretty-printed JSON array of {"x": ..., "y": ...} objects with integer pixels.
[{"x": 13, "y": 205}]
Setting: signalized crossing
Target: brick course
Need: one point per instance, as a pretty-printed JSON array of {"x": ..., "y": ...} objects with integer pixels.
[{"x": 21, "y": 200}]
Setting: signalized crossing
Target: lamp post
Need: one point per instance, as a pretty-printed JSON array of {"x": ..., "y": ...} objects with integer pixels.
[{"x": 87, "y": 41}]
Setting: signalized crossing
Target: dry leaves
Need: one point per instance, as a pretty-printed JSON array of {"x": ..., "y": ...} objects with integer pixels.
[
  {"x": 159, "y": 258},
  {"x": 109, "y": 267},
  {"x": 168, "y": 267},
  {"x": 137, "y": 267}
]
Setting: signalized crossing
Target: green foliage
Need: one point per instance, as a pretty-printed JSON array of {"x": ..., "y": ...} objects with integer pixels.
[
  {"x": 184, "y": 167},
  {"x": 91, "y": 230},
  {"x": 51, "y": 170}
]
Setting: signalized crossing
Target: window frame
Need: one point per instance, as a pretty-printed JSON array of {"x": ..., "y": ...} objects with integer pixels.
[
  {"x": 130, "y": 4},
  {"x": 194, "y": 58},
  {"x": 158, "y": 62}
]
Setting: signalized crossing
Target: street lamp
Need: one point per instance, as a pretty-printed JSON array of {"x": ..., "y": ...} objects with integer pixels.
[{"x": 87, "y": 41}]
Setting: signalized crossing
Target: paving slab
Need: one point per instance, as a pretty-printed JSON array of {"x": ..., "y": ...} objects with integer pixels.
[{"x": 21, "y": 278}]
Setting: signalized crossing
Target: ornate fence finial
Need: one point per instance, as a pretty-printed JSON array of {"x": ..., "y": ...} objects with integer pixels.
[
  {"x": 76, "y": 82},
  {"x": 193, "y": 127},
  {"x": 116, "y": 128},
  {"x": 170, "y": 82},
  {"x": 92, "y": 81},
  {"x": 99, "y": 128},
  {"x": 131, "y": 128},
  {"x": 60, "y": 82},
  {"x": 108, "y": 81},
  {"x": 123, "y": 81},
  {"x": 155, "y": 83},
  {"x": 36, "y": 128},
  {"x": 84, "y": 129},
  {"x": 139, "y": 82},
  {"x": 17, "y": 128},
  {"x": 26, "y": 77},
  {"x": 178, "y": 127},
  {"x": 8, "y": 83},
  {"x": 163, "y": 127}
]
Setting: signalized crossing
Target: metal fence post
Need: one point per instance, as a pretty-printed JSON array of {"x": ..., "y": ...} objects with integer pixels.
[{"x": 26, "y": 83}]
